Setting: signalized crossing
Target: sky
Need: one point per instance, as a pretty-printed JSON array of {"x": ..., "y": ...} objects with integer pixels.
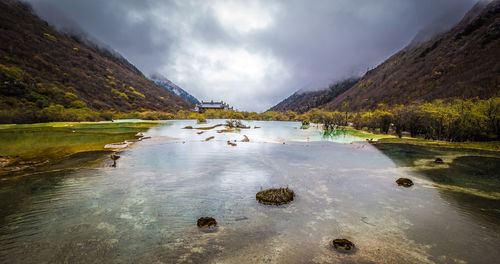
[{"x": 253, "y": 54}]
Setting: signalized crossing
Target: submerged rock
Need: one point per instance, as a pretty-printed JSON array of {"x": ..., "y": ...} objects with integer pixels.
[
  {"x": 187, "y": 127},
  {"x": 133, "y": 140},
  {"x": 343, "y": 244},
  {"x": 404, "y": 182},
  {"x": 208, "y": 128},
  {"x": 209, "y": 138},
  {"x": 245, "y": 139},
  {"x": 201, "y": 132},
  {"x": 227, "y": 130},
  {"x": 206, "y": 222},
  {"x": 438, "y": 161},
  {"x": 275, "y": 196},
  {"x": 231, "y": 143},
  {"x": 116, "y": 145}
]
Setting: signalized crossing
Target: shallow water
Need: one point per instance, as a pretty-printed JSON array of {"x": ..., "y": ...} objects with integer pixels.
[
  {"x": 53, "y": 140},
  {"x": 145, "y": 209}
]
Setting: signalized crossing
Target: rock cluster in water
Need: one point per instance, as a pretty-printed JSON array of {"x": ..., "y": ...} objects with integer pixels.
[
  {"x": 275, "y": 196},
  {"x": 404, "y": 182},
  {"x": 235, "y": 124},
  {"x": 206, "y": 222}
]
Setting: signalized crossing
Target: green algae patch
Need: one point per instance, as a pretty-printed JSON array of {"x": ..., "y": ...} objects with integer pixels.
[
  {"x": 493, "y": 145},
  {"x": 53, "y": 140},
  {"x": 275, "y": 196},
  {"x": 365, "y": 135}
]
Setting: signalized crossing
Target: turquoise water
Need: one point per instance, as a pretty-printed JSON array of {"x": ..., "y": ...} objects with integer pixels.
[
  {"x": 266, "y": 132},
  {"x": 145, "y": 209}
]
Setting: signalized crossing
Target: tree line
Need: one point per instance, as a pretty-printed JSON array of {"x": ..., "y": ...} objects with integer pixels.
[{"x": 456, "y": 120}]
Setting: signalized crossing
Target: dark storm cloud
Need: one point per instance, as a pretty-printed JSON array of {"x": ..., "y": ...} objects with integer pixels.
[{"x": 254, "y": 53}]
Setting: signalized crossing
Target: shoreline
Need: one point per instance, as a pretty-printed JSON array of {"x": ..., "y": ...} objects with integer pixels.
[{"x": 476, "y": 145}]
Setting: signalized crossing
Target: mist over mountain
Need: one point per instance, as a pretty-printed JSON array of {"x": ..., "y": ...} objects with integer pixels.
[
  {"x": 41, "y": 67},
  {"x": 254, "y": 53}
]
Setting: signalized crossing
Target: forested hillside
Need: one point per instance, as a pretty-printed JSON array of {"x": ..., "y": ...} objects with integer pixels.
[
  {"x": 461, "y": 63},
  {"x": 303, "y": 101},
  {"x": 44, "y": 73}
]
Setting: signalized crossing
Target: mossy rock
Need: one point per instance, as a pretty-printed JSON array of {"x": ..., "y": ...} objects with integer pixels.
[
  {"x": 206, "y": 222},
  {"x": 275, "y": 196},
  {"x": 343, "y": 244},
  {"x": 404, "y": 182}
]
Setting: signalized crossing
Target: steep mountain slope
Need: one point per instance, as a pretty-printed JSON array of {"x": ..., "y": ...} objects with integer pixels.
[
  {"x": 461, "y": 63},
  {"x": 171, "y": 87},
  {"x": 40, "y": 66},
  {"x": 303, "y": 101}
]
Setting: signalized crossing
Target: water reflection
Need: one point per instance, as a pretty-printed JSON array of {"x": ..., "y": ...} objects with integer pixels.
[{"x": 145, "y": 209}]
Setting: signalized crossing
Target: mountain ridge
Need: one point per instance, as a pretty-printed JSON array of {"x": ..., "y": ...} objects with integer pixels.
[
  {"x": 303, "y": 101},
  {"x": 458, "y": 63},
  {"x": 171, "y": 87},
  {"x": 40, "y": 67}
]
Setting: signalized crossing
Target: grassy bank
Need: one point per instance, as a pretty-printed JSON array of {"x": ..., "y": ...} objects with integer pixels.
[
  {"x": 492, "y": 145},
  {"x": 37, "y": 143}
]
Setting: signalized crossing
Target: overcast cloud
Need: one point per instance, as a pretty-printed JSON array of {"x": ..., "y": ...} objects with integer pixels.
[{"x": 253, "y": 54}]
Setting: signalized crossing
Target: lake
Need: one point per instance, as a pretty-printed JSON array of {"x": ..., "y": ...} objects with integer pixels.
[{"x": 144, "y": 210}]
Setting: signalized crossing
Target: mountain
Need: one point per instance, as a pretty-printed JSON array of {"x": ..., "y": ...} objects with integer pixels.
[
  {"x": 171, "y": 87},
  {"x": 40, "y": 66},
  {"x": 303, "y": 101},
  {"x": 461, "y": 62}
]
